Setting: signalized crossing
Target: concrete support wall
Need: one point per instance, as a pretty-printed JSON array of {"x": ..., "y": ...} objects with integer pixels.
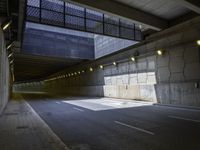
[
  {"x": 4, "y": 74},
  {"x": 169, "y": 79}
]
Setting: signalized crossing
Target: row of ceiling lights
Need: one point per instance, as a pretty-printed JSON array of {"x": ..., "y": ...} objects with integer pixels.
[
  {"x": 91, "y": 69},
  {"x": 159, "y": 52},
  {"x": 4, "y": 27}
]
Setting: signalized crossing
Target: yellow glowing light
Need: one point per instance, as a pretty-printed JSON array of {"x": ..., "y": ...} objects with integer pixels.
[
  {"x": 91, "y": 69},
  {"x": 114, "y": 63},
  {"x": 11, "y": 54},
  {"x": 6, "y": 25},
  {"x": 83, "y": 71},
  {"x": 133, "y": 58},
  {"x": 160, "y": 52},
  {"x": 101, "y": 66},
  {"x": 11, "y": 61},
  {"x": 198, "y": 42},
  {"x": 9, "y": 46}
]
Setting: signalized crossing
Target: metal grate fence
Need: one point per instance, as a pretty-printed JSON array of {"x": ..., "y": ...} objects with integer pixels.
[{"x": 64, "y": 14}]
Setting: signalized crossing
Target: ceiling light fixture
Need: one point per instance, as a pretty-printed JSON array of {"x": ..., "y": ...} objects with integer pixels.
[
  {"x": 101, "y": 66},
  {"x": 160, "y": 52},
  {"x": 91, "y": 69},
  {"x": 198, "y": 42},
  {"x": 9, "y": 45},
  {"x": 6, "y": 25},
  {"x": 133, "y": 59}
]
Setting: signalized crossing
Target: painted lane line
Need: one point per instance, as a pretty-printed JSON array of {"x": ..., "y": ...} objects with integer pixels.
[
  {"x": 58, "y": 103},
  {"x": 186, "y": 119},
  {"x": 136, "y": 128},
  {"x": 78, "y": 109}
]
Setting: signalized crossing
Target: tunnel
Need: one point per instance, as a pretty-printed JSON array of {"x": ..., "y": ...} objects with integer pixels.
[{"x": 99, "y": 75}]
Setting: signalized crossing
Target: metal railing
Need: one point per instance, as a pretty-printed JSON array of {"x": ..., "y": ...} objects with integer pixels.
[{"x": 67, "y": 15}]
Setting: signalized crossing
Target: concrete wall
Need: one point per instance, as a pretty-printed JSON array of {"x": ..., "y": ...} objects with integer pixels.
[
  {"x": 105, "y": 45},
  {"x": 169, "y": 79},
  {"x": 38, "y": 41},
  {"x": 4, "y": 74}
]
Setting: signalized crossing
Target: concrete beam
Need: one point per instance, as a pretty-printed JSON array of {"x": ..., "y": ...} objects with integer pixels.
[
  {"x": 193, "y": 5},
  {"x": 124, "y": 11}
]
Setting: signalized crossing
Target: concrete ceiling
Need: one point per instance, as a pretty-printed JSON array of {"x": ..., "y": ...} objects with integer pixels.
[
  {"x": 166, "y": 9},
  {"x": 152, "y": 14}
]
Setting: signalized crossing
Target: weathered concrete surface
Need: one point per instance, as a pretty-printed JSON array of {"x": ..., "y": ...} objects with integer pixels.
[
  {"x": 4, "y": 74},
  {"x": 168, "y": 79},
  {"x": 21, "y": 128}
]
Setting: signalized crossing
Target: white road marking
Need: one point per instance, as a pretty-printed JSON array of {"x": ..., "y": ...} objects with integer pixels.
[
  {"x": 186, "y": 119},
  {"x": 58, "y": 103},
  {"x": 78, "y": 109},
  {"x": 136, "y": 128}
]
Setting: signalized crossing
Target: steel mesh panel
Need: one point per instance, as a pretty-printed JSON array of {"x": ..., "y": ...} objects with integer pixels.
[
  {"x": 94, "y": 26},
  {"x": 111, "y": 20},
  {"x": 138, "y": 35},
  {"x": 74, "y": 10},
  {"x": 53, "y": 18},
  {"x": 53, "y": 5},
  {"x": 75, "y": 22},
  {"x": 127, "y": 33},
  {"x": 127, "y": 24},
  {"x": 94, "y": 15},
  {"x": 59, "y": 13},
  {"x": 110, "y": 29},
  {"x": 34, "y": 3},
  {"x": 33, "y": 14}
]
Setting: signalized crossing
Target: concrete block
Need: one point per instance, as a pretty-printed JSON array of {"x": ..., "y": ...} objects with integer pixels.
[
  {"x": 162, "y": 61},
  {"x": 125, "y": 79},
  {"x": 151, "y": 78},
  {"x": 107, "y": 80},
  {"x": 113, "y": 80},
  {"x": 133, "y": 81},
  {"x": 142, "y": 78},
  {"x": 163, "y": 74},
  {"x": 192, "y": 71},
  {"x": 151, "y": 63},
  {"x": 147, "y": 92},
  {"x": 107, "y": 71},
  {"x": 110, "y": 91},
  {"x": 123, "y": 68},
  {"x": 163, "y": 93},
  {"x": 176, "y": 64},
  {"x": 142, "y": 65},
  {"x": 176, "y": 51},
  {"x": 132, "y": 67},
  {"x": 191, "y": 53},
  {"x": 119, "y": 80},
  {"x": 176, "y": 77},
  {"x": 115, "y": 70}
]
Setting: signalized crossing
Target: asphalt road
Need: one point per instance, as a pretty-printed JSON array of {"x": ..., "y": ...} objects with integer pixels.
[{"x": 109, "y": 124}]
